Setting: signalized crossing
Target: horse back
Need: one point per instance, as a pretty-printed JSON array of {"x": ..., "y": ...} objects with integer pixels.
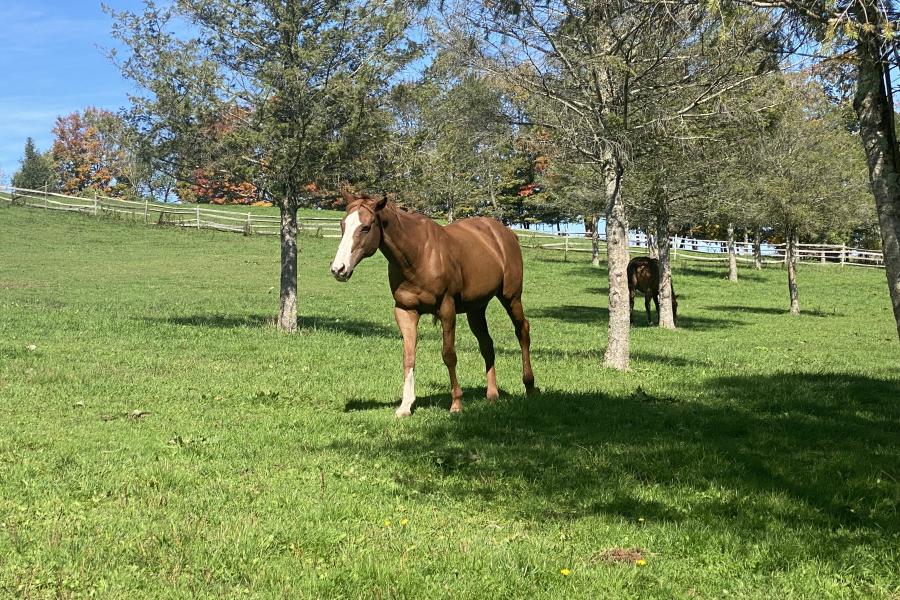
[
  {"x": 643, "y": 275},
  {"x": 488, "y": 256}
]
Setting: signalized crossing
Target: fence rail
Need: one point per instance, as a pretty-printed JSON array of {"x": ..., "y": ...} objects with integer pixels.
[
  {"x": 156, "y": 213},
  {"x": 683, "y": 248},
  {"x": 201, "y": 217}
]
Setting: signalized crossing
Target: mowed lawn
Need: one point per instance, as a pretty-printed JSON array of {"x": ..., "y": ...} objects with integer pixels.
[{"x": 159, "y": 438}]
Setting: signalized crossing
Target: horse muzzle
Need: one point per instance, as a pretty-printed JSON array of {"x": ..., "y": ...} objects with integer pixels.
[{"x": 341, "y": 273}]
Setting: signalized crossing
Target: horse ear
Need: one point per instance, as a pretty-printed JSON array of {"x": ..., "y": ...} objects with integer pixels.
[{"x": 382, "y": 202}]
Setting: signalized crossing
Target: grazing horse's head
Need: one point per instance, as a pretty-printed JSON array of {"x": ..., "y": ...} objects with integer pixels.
[{"x": 361, "y": 234}]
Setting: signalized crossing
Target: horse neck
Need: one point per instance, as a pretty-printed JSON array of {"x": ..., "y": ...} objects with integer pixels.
[{"x": 398, "y": 244}]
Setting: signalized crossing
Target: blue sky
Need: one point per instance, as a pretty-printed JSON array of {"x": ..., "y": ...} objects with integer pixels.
[{"x": 52, "y": 62}]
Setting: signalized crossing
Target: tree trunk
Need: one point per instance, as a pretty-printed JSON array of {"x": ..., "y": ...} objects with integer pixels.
[
  {"x": 757, "y": 250},
  {"x": 874, "y": 110},
  {"x": 791, "y": 251},
  {"x": 732, "y": 256},
  {"x": 666, "y": 314},
  {"x": 493, "y": 194},
  {"x": 595, "y": 243},
  {"x": 287, "y": 313},
  {"x": 617, "y": 349},
  {"x": 652, "y": 249}
]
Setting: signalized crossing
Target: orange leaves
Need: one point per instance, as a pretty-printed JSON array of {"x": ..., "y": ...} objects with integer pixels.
[
  {"x": 86, "y": 157},
  {"x": 220, "y": 187}
]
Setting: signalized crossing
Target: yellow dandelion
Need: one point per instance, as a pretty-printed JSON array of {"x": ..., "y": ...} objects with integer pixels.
[
  {"x": 640, "y": 562},
  {"x": 387, "y": 522},
  {"x": 565, "y": 572},
  {"x": 641, "y": 520},
  {"x": 404, "y": 522}
]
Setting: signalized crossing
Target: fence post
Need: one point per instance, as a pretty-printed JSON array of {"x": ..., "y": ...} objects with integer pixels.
[
  {"x": 46, "y": 194},
  {"x": 566, "y": 253},
  {"x": 673, "y": 244},
  {"x": 96, "y": 209},
  {"x": 843, "y": 253},
  {"x": 198, "y": 217},
  {"x": 823, "y": 257},
  {"x": 145, "y": 211},
  {"x": 248, "y": 228}
]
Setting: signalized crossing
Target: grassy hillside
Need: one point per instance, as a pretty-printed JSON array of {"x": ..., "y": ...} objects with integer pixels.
[{"x": 159, "y": 438}]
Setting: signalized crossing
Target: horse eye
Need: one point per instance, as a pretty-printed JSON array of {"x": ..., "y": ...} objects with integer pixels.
[{"x": 365, "y": 228}]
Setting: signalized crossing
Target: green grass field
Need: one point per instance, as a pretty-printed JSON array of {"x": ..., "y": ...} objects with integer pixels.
[{"x": 159, "y": 438}]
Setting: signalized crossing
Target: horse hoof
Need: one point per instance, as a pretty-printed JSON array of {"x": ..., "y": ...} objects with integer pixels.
[
  {"x": 400, "y": 413},
  {"x": 532, "y": 391},
  {"x": 493, "y": 397},
  {"x": 456, "y": 408}
]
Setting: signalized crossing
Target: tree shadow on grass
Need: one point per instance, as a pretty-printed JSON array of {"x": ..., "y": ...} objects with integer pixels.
[
  {"x": 601, "y": 291},
  {"x": 596, "y": 354},
  {"x": 715, "y": 272},
  {"x": 810, "y": 453},
  {"x": 220, "y": 321},
  {"x": 571, "y": 313},
  {"x": 310, "y": 323},
  {"x": 767, "y": 310},
  {"x": 592, "y": 315}
]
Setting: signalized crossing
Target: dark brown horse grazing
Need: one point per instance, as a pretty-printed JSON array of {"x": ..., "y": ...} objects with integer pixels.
[
  {"x": 643, "y": 276},
  {"x": 441, "y": 271}
]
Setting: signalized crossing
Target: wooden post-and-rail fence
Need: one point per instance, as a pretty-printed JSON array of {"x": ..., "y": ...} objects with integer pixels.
[{"x": 247, "y": 223}]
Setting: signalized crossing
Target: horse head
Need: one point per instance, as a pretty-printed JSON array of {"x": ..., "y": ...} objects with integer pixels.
[{"x": 360, "y": 233}]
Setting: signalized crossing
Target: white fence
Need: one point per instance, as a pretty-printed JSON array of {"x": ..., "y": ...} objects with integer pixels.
[
  {"x": 201, "y": 217},
  {"x": 156, "y": 213},
  {"x": 683, "y": 248}
]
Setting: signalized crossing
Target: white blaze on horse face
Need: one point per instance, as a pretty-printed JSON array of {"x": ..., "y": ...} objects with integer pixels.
[
  {"x": 409, "y": 395},
  {"x": 341, "y": 266}
]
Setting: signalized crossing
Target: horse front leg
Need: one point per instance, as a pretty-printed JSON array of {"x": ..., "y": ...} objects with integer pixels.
[
  {"x": 447, "y": 315},
  {"x": 408, "y": 321}
]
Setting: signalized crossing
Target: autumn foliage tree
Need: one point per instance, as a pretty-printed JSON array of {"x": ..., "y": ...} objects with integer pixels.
[
  {"x": 224, "y": 177},
  {"x": 86, "y": 155}
]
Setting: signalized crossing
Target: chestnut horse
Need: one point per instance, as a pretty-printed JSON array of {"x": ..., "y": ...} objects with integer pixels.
[
  {"x": 441, "y": 271},
  {"x": 643, "y": 276}
]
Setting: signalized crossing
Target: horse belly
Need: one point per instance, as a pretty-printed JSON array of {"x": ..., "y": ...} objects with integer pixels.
[{"x": 481, "y": 257}]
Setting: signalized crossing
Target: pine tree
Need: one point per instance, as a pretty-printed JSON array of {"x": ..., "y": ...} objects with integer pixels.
[{"x": 36, "y": 170}]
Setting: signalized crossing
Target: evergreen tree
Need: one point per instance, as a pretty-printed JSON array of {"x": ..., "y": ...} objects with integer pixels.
[{"x": 36, "y": 170}]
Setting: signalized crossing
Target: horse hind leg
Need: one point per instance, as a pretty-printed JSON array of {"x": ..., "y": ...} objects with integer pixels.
[
  {"x": 647, "y": 307},
  {"x": 447, "y": 314},
  {"x": 516, "y": 313},
  {"x": 630, "y": 304},
  {"x": 478, "y": 325}
]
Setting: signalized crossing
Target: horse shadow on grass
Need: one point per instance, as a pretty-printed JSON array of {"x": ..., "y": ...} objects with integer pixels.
[
  {"x": 814, "y": 453},
  {"x": 439, "y": 401},
  {"x": 305, "y": 324}
]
